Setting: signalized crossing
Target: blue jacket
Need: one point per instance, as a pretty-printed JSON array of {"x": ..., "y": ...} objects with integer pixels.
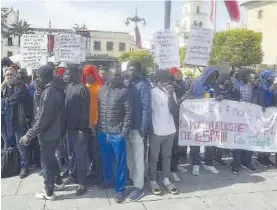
[
  {"x": 264, "y": 97},
  {"x": 200, "y": 85},
  {"x": 141, "y": 105}
]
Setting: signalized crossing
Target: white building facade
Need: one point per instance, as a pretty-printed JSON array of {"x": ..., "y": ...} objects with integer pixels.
[
  {"x": 10, "y": 45},
  {"x": 193, "y": 13}
]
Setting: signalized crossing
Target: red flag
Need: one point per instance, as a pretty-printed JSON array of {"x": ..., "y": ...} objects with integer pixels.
[
  {"x": 212, "y": 10},
  {"x": 233, "y": 10},
  {"x": 138, "y": 38},
  {"x": 50, "y": 42}
]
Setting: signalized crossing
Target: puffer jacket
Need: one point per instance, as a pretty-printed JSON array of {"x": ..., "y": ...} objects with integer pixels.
[
  {"x": 115, "y": 109},
  {"x": 49, "y": 122}
]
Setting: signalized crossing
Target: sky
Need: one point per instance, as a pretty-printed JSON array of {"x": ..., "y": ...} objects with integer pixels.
[{"x": 108, "y": 15}]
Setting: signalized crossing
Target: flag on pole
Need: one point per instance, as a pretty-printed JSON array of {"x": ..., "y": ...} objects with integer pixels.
[
  {"x": 212, "y": 11},
  {"x": 233, "y": 10},
  {"x": 138, "y": 38}
]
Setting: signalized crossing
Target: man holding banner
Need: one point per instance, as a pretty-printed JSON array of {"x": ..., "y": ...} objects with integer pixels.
[{"x": 205, "y": 87}]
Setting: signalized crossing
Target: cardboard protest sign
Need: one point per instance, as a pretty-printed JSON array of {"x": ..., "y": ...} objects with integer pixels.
[
  {"x": 228, "y": 124},
  {"x": 199, "y": 46},
  {"x": 166, "y": 49},
  {"x": 33, "y": 51},
  {"x": 69, "y": 48}
]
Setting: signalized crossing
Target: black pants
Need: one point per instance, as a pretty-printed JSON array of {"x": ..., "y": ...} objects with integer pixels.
[
  {"x": 241, "y": 157},
  {"x": 49, "y": 164},
  {"x": 95, "y": 160},
  {"x": 177, "y": 153},
  {"x": 195, "y": 155},
  {"x": 77, "y": 156}
]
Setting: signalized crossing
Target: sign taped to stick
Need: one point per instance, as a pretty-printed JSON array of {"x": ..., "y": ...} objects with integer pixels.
[
  {"x": 166, "y": 49},
  {"x": 199, "y": 46},
  {"x": 228, "y": 124},
  {"x": 33, "y": 51}
]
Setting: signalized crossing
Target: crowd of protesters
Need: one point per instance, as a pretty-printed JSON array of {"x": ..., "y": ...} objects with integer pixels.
[{"x": 103, "y": 125}]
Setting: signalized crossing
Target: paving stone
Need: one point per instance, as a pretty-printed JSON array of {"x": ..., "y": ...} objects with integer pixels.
[
  {"x": 9, "y": 186},
  {"x": 26, "y": 202}
]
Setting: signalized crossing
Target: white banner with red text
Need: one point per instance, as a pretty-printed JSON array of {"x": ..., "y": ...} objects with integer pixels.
[{"x": 228, "y": 124}]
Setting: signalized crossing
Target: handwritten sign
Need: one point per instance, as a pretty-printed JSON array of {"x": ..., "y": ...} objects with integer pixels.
[
  {"x": 199, "y": 46},
  {"x": 228, "y": 124},
  {"x": 166, "y": 49},
  {"x": 33, "y": 51},
  {"x": 69, "y": 48}
]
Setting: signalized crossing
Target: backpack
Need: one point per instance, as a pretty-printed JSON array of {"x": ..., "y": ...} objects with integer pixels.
[{"x": 10, "y": 162}]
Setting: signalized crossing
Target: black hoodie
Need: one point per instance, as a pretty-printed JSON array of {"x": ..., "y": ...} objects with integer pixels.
[{"x": 49, "y": 124}]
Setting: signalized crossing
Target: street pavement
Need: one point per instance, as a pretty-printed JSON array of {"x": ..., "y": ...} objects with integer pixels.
[{"x": 225, "y": 191}]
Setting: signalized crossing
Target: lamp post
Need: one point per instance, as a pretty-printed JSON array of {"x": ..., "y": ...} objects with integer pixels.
[
  {"x": 167, "y": 14},
  {"x": 135, "y": 19}
]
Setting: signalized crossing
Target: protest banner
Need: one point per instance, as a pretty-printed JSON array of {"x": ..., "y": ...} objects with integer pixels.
[
  {"x": 228, "y": 124},
  {"x": 166, "y": 49},
  {"x": 69, "y": 48},
  {"x": 33, "y": 51},
  {"x": 199, "y": 46}
]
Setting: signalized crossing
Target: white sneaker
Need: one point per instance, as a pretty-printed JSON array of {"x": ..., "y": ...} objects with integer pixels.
[
  {"x": 211, "y": 169},
  {"x": 174, "y": 177},
  {"x": 182, "y": 169},
  {"x": 195, "y": 170},
  {"x": 43, "y": 195},
  {"x": 59, "y": 187}
]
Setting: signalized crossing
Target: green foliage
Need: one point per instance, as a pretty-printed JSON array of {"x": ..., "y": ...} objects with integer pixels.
[
  {"x": 142, "y": 56},
  {"x": 239, "y": 47},
  {"x": 182, "y": 52}
]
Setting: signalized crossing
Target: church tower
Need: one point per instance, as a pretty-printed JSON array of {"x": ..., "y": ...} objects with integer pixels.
[{"x": 193, "y": 13}]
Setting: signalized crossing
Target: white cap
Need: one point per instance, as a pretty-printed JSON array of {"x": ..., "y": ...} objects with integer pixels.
[{"x": 63, "y": 65}]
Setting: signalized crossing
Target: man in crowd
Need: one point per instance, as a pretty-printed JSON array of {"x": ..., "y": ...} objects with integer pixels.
[
  {"x": 164, "y": 109},
  {"x": 18, "y": 111},
  {"x": 115, "y": 116},
  {"x": 48, "y": 127},
  {"x": 92, "y": 79},
  {"x": 246, "y": 88},
  {"x": 141, "y": 116},
  {"x": 178, "y": 152},
  {"x": 5, "y": 63},
  {"x": 205, "y": 87},
  {"x": 227, "y": 91},
  {"x": 266, "y": 97},
  {"x": 77, "y": 122}
]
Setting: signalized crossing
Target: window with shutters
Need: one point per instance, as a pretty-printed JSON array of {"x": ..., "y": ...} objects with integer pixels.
[
  {"x": 260, "y": 14},
  {"x": 109, "y": 46},
  {"x": 122, "y": 47},
  {"x": 97, "y": 46},
  {"x": 197, "y": 9},
  {"x": 10, "y": 41},
  {"x": 9, "y": 53}
]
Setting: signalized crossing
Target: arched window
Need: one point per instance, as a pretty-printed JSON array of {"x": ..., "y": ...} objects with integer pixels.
[
  {"x": 200, "y": 24},
  {"x": 195, "y": 23},
  {"x": 197, "y": 9}
]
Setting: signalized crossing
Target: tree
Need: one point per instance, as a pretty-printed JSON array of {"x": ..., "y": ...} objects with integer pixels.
[
  {"x": 20, "y": 27},
  {"x": 182, "y": 52},
  {"x": 142, "y": 56},
  {"x": 239, "y": 47}
]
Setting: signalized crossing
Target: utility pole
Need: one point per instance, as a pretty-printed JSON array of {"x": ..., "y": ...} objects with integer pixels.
[
  {"x": 167, "y": 14},
  {"x": 136, "y": 19}
]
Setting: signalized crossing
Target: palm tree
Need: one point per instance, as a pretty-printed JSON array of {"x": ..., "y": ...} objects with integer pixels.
[{"x": 20, "y": 27}]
